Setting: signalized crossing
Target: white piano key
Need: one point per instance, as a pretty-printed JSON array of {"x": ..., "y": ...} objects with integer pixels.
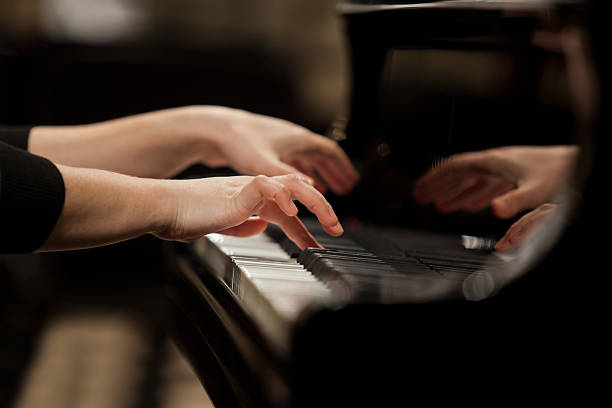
[
  {"x": 276, "y": 274},
  {"x": 291, "y": 263},
  {"x": 273, "y": 287},
  {"x": 272, "y": 253}
]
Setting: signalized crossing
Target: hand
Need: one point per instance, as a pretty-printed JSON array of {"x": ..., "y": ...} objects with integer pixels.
[
  {"x": 509, "y": 179},
  {"x": 226, "y": 205},
  {"x": 160, "y": 144},
  {"x": 521, "y": 229},
  {"x": 255, "y": 144}
]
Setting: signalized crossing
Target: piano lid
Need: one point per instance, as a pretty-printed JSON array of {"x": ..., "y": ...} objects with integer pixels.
[{"x": 367, "y": 6}]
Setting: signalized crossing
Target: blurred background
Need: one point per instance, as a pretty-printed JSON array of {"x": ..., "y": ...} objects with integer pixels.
[{"x": 87, "y": 328}]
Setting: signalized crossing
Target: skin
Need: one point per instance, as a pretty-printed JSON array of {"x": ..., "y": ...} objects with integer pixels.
[
  {"x": 162, "y": 143},
  {"x": 103, "y": 207},
  {"x": 508, "y": 179},
  {"x": 114, "y": 173},
  {"x": 520, "y": 230}
]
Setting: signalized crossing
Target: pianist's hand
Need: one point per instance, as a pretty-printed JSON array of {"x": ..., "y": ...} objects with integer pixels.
[
  {"x": 227, "y": 204},
  {"x": 103, "y": 207},
  {"x": 256, "y": 144},
  {"x": 509, "y": 179},
  {"x": 162, "y": 143}
]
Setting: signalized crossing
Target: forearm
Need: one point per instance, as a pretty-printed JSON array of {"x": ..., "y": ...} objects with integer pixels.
[
  {"x": 102, "y": 207},
  {"x": 158, "y": 144}
]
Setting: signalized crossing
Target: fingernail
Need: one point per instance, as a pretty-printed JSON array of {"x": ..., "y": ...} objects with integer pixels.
[{"x": 338, "y": 228}]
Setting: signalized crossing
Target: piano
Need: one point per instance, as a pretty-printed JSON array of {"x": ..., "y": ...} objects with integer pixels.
[{"x": 410, "y": 305}]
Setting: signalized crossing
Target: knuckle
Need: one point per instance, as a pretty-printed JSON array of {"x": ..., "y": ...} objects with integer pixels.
[
  {"x": 260, "y": 180},
  {"x": 294, "y": 178},
  {"x": 282, "y": 191}
]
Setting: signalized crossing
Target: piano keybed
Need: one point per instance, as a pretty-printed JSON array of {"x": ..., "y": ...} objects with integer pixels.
[{"x": 277, "y": 284}]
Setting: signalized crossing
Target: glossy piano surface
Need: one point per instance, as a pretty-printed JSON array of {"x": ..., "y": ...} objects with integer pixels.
[
  {"x": 279, "y": 286},
  {"x": 411, "y": 302}
]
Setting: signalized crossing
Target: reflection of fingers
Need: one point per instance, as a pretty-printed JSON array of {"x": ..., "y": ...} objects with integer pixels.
[
  {"x": 478, "y": 196},
  {"x": 437, "y": 188},
  {"x": 515, "y": 234},
  {"x": 471, "y": 164},
  {"x": 518, "y": 232},
  {"x": 250, "y": 227},
  {"x": 464, "y": 162},
  {"x": 451, "y": 197},
  {"x": 483, "y": 199},
  {"x": 514, "y": 201}
]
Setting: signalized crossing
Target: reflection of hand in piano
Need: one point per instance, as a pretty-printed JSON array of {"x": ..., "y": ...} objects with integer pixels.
[
  {"x": 510, "y": 179},
  {"x": 256, "y": 144},
  {"x": 521, "y": 229},
  {"x": 226, "y": 205}
]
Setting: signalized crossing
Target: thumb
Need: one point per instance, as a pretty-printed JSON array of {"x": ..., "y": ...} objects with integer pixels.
[
  {"x": 251, "y": 226},
  {"x": 509, "y": 204}
]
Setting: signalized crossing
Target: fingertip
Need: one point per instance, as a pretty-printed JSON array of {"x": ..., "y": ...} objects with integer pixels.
[
  {"x": 335, "y": 230},
  {"x": 293, "y": 210}
]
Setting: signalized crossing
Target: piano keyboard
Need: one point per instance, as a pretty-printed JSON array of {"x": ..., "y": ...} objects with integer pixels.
[{"x": 277, "y": 284}]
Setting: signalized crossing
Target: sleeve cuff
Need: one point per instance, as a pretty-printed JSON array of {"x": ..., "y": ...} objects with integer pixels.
[
  {"x": 32, "y": 197},
  {"x": 17, "y": 136}
]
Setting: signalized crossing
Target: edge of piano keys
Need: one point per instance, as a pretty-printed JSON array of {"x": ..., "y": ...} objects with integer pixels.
[{"x": 277, "y": 320}]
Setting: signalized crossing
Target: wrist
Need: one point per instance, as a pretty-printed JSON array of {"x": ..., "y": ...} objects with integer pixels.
[
  {"x": 163, "y": 207},
  {"x": 206, "y": 127}
]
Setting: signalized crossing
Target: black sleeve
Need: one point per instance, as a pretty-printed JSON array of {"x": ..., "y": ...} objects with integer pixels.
[
  {"x": 31, "y": 198},
  {"x": 15, "y": 135}
]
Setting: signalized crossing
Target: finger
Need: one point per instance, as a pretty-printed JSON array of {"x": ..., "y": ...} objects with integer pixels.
[
  {"x": 484, "y": 162},
  {"x": 515, "y": 234},
  {"x": 251, "y": 226},
  {"x": 439, "y": 187},
  {"x": 483, "y": 199},
  {"x": 509, "y": 204},
  {"x": 446, "y": 203},
  {"x": 315, "y": 202},
  {"x": 303, "y": 166},
  {"x": 298, "y": 233},
  {"x": 338, "y": 182},
  {"x": 330, "y": 149},
  {"x": 477, "y": 197},
  {"x": 325, "y": 156},
  {"x": 261, "y": 188},
  {"x": 521, "y": 229}
]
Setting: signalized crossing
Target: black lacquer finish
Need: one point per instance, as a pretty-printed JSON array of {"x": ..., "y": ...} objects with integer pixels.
[{"x": 401, "y": 326}]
